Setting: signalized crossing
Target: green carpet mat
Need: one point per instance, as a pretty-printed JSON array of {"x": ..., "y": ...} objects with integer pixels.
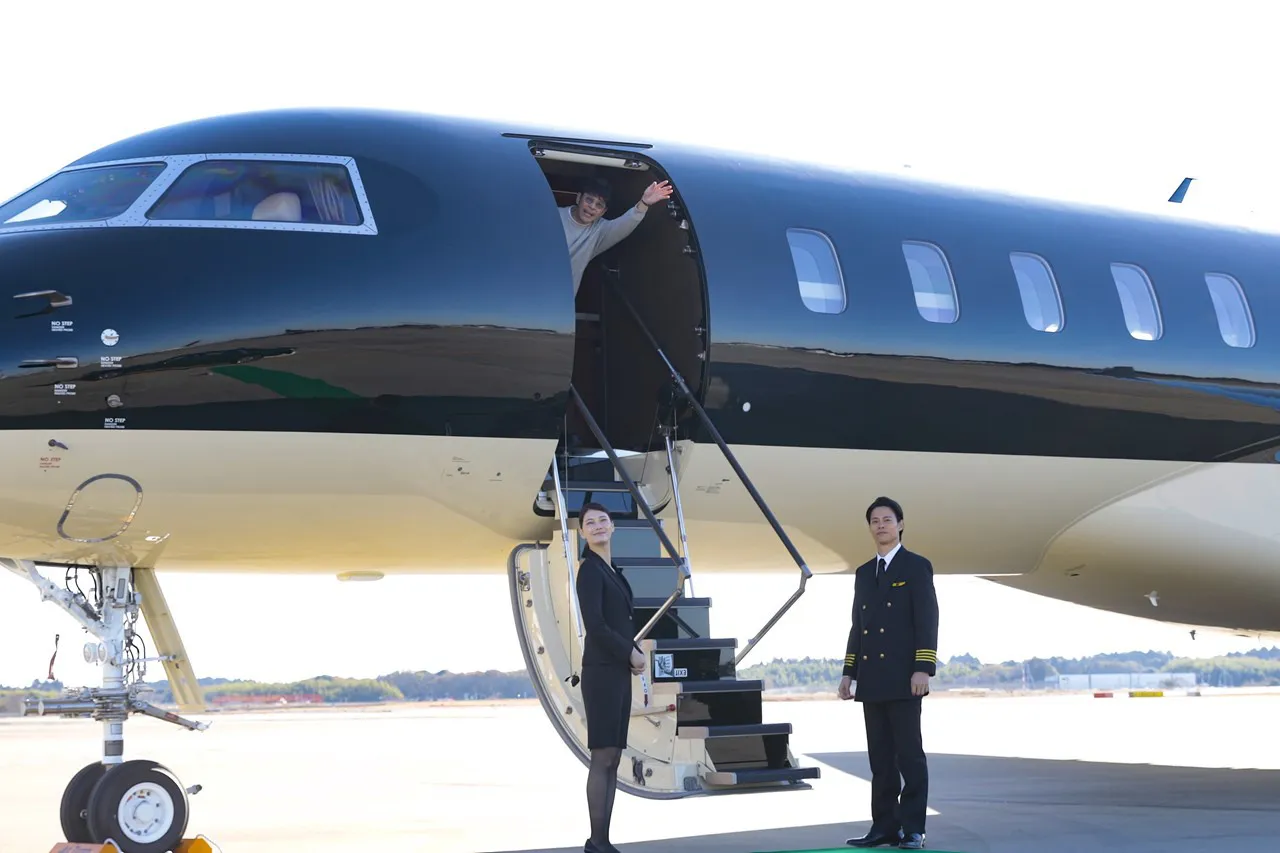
[{"x": 846, "y": 848}]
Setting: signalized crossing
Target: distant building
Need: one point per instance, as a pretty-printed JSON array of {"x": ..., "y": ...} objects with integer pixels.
[
  {"x": 268, "y": 699},
  {"x": 1126, "y": 681}
]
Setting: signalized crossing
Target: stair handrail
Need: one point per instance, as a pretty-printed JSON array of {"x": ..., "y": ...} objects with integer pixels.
[
  {"x": 568, "y": 555},
  {"x": 805, "y": 571},
  {"x": 675, "y": 491},
  {"x": 682, "y": 565}
]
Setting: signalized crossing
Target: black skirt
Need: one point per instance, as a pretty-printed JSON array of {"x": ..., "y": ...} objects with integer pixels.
[{"x": 606, "y": 694}]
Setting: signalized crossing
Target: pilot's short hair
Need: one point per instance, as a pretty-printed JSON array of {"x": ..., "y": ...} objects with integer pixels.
[
  {"x": 888, "y": 503},
  {"x": 592, "y": 506},
  {"x": 597, "y": 186}
]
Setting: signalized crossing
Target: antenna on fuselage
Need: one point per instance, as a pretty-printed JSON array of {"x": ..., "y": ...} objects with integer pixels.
[{"x": 1181, "y": 192}]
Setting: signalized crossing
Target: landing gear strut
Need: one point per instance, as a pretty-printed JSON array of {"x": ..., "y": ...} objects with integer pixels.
[{"x": 139, "y": 805}]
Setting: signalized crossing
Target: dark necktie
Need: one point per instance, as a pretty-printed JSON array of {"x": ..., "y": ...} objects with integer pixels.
[{"x": 879, "y": 569}]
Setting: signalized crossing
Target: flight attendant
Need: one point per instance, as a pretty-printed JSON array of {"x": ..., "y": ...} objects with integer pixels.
[{"x": 609, "y": 658}]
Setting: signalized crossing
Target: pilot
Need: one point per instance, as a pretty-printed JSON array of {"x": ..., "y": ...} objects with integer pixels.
[
  {"x": 589, "y": 233},
  {"x": 889, "y": 658},
  {"x": 609, "y": 658}
]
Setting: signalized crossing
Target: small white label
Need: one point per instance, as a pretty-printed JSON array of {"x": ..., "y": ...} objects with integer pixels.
[
  {"x": 64, "y": 390},
  {"x": 110, "y": 337},
  {"x": 681, "y": 672},
  {"x": 109, "y": 361},
  {"x": 61, "y": 325},
  {"x": 113, "y": 423},
  {"x": 664, "y": 666}
]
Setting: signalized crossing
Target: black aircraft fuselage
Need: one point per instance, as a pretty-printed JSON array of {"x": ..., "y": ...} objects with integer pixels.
[
  {"x": 468, "y": 258},
  {"x": 440, "y": 305}
]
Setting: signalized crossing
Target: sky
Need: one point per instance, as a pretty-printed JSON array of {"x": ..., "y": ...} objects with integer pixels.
[{"x": 1098, "y": 102}]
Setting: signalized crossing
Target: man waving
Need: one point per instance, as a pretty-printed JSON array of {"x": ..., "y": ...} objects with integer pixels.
[{"x": 588, "y": 233}]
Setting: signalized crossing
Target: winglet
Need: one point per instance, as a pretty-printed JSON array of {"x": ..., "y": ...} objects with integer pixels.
[{"x": 1181, "y": 192}]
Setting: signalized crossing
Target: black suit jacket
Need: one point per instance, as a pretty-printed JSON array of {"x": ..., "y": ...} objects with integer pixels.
[
  {"x": 895, "y": 628},
  {"x": 605, "y": 598}
]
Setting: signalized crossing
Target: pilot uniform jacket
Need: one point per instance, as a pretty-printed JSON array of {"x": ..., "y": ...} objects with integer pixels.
[{"x": 895, "y": 628}]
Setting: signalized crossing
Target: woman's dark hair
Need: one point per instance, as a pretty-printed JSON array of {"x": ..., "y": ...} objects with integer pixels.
[{"x": 589, "y": 507}]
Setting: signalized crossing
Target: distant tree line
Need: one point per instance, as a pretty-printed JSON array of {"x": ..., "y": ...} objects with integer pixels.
[
  {"x": 395, "y": 687},
  {"x": 1247, "y": 669},
  {"x": 1260, "y": 667}
]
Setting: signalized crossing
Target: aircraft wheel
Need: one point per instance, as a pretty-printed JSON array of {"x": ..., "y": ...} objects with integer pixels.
[
  {"x": 75, "y": 803},
  {"x": 140, "y": 806}
]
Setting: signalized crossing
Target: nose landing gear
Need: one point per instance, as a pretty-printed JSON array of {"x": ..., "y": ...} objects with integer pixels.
[{"x": 138, "y": 805}]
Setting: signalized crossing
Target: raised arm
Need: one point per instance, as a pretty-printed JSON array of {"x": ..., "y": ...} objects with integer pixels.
[{"x": 614, "y": 231}]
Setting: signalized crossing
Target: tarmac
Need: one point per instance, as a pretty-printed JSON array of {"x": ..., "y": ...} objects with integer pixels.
[{"x": 1052, "y": 773}]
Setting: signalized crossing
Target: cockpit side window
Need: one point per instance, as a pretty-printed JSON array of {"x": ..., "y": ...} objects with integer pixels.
[
  {"x": 81, "y": 196},
  {"x": 261, "y": 191}
]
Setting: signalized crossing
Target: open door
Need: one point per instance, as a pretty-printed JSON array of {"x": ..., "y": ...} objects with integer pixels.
[{"x": 659, "y": 271}]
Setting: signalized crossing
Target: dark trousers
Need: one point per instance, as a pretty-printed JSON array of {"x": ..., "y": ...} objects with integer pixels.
[{"x": 899, "y": 770}]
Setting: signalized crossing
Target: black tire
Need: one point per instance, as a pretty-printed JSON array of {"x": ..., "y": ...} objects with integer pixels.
[
  {"x": 75, "y": 802},
  {"x": 160, "y": 788}
]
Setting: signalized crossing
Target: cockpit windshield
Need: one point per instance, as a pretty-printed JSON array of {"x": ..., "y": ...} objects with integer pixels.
[
  {"x": 81, "y": 195},
  {"x": 248, "y": 190}
]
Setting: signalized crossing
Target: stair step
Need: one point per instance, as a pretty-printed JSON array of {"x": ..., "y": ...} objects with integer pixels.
[
  {"x": 588, "y": 485},
  {"x": 724, "y": 703},
  {"x": 760, "y": 776},
  {"x": 691, "y": 659},
  {"x": 657, "y": 562},
  {"x": 634, "y": 523},
  {"x": 687, "y": 617},
  {"x": 755, "y": 730},
  {"x": 650, "y": 575},
  {"x": 724, "y": 685},
  {"x": 694, "y": 643},
  {"x": 756, "y": 746},
  {"x": 654, "y": 602},
  {"x": 615, "y": 498}
]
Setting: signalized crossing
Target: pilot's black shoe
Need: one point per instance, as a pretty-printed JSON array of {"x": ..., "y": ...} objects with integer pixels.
[
  {"x": 914, "y": 841},
  {"x": 877, "y": 838}
]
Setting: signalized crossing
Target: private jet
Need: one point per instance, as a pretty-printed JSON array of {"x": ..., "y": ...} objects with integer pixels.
[{"x": 348, "y": 342}]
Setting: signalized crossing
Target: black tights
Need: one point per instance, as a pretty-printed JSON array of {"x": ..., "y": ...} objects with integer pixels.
[{"x": 602, "y": 784}]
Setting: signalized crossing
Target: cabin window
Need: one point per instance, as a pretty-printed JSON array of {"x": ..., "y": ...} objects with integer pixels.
[
  {"x": 1235, "y": 322},
  {"x": 1138, "y": 300},
  {"x": 80, "y": 195},
  {"x": 1041, "y": 301},
  {"x": 817, "y": 271},
  {"x": 262, "y": 191},
  {"x": 931, "y": 278}
]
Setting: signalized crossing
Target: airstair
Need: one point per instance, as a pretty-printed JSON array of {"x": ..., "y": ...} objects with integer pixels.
[{"x": 696, "y": 728}]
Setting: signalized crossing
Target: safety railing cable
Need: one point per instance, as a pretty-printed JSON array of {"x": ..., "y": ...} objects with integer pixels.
[
  {"x": 805, "y": 572},
  {"x": 682, "y": 565}
]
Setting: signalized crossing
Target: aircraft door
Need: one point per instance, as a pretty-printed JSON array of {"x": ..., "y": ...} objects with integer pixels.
[{"x": 649, "y": 284}]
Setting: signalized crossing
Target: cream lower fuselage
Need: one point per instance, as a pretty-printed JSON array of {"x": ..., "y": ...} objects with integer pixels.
[
  {"x": 390, "y": 399},
  {"x": 1106, "y": 535}
]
